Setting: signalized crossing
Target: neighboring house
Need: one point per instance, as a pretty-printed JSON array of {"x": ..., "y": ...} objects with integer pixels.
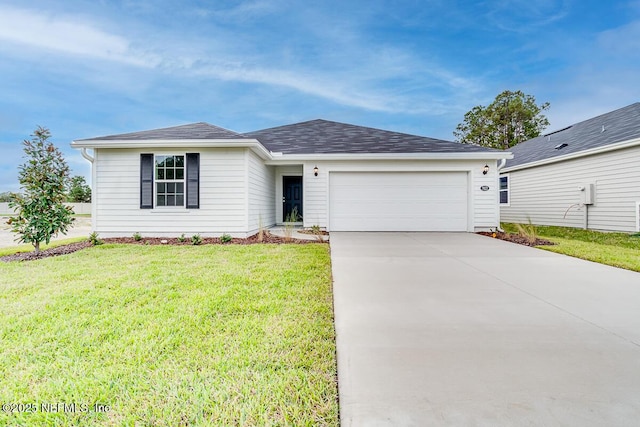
[
  {"x": 200, "y": 178},
  {"x": 586, "y": 175}
]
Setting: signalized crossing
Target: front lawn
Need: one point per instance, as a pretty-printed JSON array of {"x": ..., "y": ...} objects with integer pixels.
[
  {"x": 170, "y": 336},
  {"x": 615, "y": 249}
]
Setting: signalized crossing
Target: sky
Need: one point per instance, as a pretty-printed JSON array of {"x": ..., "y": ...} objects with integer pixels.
[{"x": 100, "y": 67}]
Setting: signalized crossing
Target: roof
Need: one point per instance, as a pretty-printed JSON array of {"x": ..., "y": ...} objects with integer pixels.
[
  {"x": 191, "y": 131},
  {"x": 311, "y": 138},
  {"x": 610, "y": 128},
  {"x": 327, "y": 137}
]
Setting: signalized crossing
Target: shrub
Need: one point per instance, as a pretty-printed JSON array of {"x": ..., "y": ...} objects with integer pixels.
[
  {"x": 137, "y": 236},
  {"x": 182, "y": 238},
  {"x": 196, "y": 240},
  {"x": 225, "y": 238},
  {"x": 93, "y": 238},
  {"x": 528, "y": 231},
  {"x": 288, "y": 223}
]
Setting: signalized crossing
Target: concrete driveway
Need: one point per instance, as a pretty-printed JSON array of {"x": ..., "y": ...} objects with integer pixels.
[{"x": 456, "y": 329}]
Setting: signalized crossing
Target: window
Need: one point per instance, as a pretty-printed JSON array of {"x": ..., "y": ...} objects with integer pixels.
[
  {"x": 504, "y": 190},
  {"x": 169, "y": 179}
]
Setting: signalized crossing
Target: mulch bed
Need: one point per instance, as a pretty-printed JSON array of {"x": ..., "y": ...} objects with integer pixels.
[
  {"x": 516, "y": 238},
  {"x": 60, "y": 250},
  {"x": 73, "y": 247}
]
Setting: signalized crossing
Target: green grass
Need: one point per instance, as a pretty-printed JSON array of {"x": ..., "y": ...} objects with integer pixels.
[
  {"x": 615, "y": 249},
  {"x": 29, "y": 247},
  {"x": 169, "y": 336}
]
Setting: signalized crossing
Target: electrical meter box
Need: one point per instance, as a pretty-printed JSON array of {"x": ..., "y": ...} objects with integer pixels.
[{"x": 588, "y": 194}]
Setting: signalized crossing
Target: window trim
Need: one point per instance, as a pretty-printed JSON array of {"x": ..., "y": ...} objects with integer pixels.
[
  {"x": 508, "y": 189},
  {"x": 183, "y": 180}
]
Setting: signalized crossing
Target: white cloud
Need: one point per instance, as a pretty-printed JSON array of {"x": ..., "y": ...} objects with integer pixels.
[
  {"x": 526, "y": 15},
  {"x": 242, "y": 11},
  {"x": 67, "y": 35},
  {"x": 355, "y": 75}
]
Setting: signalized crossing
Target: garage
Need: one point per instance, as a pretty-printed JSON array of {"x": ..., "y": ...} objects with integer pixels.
[{"x": 398, "y": 201}]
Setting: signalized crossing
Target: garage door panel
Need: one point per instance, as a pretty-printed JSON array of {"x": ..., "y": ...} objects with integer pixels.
[{"x": 390, "y": 201}]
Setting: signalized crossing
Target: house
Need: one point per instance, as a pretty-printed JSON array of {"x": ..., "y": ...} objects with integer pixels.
[
  {"x": 586, "y": 175},
  {"x": 200, "y": 178}
]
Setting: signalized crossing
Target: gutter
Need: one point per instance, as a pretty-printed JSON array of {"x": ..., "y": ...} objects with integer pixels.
[
  {"x": 252, "y": 144},
  {"x": 279, "y": 158}
]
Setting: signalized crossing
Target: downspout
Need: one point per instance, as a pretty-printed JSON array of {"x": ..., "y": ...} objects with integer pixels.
[
  {"x": 86, "y": 155},
  {"x": 502, "y": 163}
]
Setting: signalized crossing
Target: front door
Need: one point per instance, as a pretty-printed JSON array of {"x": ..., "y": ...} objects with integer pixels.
[{"x": 292, "y": 198}]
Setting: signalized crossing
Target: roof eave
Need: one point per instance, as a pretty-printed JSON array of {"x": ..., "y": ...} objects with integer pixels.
[
  {"x": 590, "y": 152},
  {"x": 279, "y": 158},
  {"x": 253, "y": 144}
]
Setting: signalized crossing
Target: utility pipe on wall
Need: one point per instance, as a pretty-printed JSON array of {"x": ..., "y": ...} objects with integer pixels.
[{"x": 86, "y": 155}]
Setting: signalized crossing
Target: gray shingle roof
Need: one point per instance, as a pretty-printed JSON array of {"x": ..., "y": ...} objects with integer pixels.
[
  {"x": 327, "y": 137},
  {"x": 199, "y": 130},
  {"x": 619, "y": 126}
]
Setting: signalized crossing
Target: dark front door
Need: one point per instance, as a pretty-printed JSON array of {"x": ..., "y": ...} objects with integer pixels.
[{"x": 292, "y": 198}]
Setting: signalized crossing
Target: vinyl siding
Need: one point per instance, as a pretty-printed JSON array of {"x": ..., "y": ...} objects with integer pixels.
[
  {"x": 543, "y": 194},
  {"x": 482, "y": 205},
  {"x": 223, "y": 200},
  {"x": 261, "y": 193}
]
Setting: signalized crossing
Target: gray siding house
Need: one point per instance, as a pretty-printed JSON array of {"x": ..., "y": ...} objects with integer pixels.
[
  {"x": 200, "y": 178},
  {"x": 586, "y": 175}
]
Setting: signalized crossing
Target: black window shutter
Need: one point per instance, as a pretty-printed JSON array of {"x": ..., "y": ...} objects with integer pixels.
[
  {"x": 146, "y": 181},
  {"x": 193, "y": 180}
]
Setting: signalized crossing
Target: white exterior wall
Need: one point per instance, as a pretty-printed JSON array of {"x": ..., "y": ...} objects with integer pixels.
[
  {"x": 544, "y": 193},
  {"x": 261, "y": 193},
  {"x": 483, "y": 205},
  {"x": 223, "y": 195}
]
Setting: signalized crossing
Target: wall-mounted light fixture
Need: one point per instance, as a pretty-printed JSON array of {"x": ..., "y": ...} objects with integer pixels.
[
  {"x": 485, "y": 170},
  {"x": 315, "y": 171}
]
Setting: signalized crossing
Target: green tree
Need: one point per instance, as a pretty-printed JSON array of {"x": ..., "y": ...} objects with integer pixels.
[
  {"x": 5, "y": 197},
  {"x": 511, "y": 118},
  {"x": 41, "y": 212},
  {"x": 78, "y": 191}
]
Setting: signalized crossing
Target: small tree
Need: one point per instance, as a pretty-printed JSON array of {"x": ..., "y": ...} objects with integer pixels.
[
  {"x": 79, "y": 191},
  {"x": 511, "y": 118},
  {"x": 41, "y": 211}
]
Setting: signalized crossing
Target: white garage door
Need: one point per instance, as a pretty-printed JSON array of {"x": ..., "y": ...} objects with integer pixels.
[{"x": 398, "y": 201}]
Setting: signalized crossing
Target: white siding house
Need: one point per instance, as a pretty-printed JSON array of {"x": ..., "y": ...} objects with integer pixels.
[
  {"x": 584, "y": 176},
  {"x": 229, "y": 190},
  {"x": 202, "y": 179}
]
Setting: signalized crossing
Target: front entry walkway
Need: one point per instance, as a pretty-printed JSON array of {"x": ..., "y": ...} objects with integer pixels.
[{"x": 456, "y": 329}]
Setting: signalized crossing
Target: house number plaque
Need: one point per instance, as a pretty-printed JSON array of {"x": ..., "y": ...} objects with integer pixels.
[{"x": 485, "y": 188}]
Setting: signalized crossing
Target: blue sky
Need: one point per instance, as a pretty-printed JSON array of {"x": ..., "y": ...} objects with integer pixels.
[{"x": 91, "y": 68}]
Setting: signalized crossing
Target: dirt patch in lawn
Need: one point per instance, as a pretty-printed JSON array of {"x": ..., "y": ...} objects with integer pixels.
[
  {"x": 73, "y": 247},
  {"x": 516, "y": 238}
]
